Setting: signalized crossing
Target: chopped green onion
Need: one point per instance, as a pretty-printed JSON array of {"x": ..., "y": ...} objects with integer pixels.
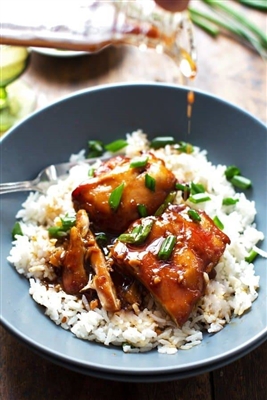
[
  {"x": 95, "y": 148},
  {"x": 16, "y": 230},
  {"x": 142, "y": 210},
  {"x": 168, "y": 200},
  {"x": 194, "y": 215},
  {"x": 180, "y": 186},
  {"x": 137, "y": 229},
  {"x": 68, "y": 221},
  {"x": 127, "y": 345},
  {"x": 184, "y": 147},
  {"x": 233, "y": 174},
  {"x": 117, "y": 145},
  {"x": 199, "y": 198},
  {"x": 251, "y": 256},
  {"x": 161, "y": 141},
  {"x": 185, "y": 190},
  {"x": 150, "y": 182},
  {"x": 115, "y": 197},
  {"x": 229, "y": 201},
  {"x": 139, "y": 162},
  {"x": 138, "y": 234},
  {"x": 218, "y": 222},
  {"x": 59, "y": 231},
  {"x": 231, "y": 171},
  {"x": 91, "y": 172},
  {"x": 167, "y": 247},
  {"x": 196, "y": 188},
  {"x": 241, "y": 182},
  {"x": 101, "y": 238}
]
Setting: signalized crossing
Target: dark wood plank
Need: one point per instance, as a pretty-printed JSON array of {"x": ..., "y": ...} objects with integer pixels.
[
  {"x": 27, "y": 376},
  {"x": 244, "y": 379}
]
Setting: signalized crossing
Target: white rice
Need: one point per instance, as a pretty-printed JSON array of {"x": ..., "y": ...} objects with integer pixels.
[{"x": 230, "y": 294}]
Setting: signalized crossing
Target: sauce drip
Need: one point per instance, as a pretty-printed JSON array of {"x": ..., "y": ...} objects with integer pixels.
[{"x": 190, "y": 102}]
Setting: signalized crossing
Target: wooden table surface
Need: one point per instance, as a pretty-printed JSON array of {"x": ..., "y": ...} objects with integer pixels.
[{"x": 226, "y": 69}]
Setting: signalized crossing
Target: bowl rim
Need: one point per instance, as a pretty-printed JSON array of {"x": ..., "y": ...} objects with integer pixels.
[{"x": 108, "y": 86}]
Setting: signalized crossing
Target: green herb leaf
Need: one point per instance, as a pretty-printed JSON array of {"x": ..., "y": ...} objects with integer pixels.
[
  {"x": 115, "y": 197},
  {"x": 150, "y": 182},
  {"x": 218, "y": 222},
  {"x": 161, "y": 141},
  {"x": 194, "y": 215},
  {"x": 16, "y": 230},
  {"x": 167, "y": 247},
  {"x": 139, "y": 233}
]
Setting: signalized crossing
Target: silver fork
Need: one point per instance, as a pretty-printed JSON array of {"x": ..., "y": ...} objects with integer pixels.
[{"x": 45, "y": 178}]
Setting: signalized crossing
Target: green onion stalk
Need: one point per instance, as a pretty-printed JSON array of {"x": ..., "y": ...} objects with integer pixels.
[{"x": 220, "y": 17}]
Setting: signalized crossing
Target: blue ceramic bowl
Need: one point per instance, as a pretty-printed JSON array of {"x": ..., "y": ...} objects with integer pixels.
[{"x": 231, "y": 136}]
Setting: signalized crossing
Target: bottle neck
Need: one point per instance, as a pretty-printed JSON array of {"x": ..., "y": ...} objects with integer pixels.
[{"x": 146, "y": 25}]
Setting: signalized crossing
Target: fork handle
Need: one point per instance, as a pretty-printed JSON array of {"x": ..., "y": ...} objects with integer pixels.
[{"x": 15, "y": 187}]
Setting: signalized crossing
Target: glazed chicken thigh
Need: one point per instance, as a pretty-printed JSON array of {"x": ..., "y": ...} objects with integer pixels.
[
  {"x": 176, "y": 282},
  {"x": 145, "y": 184}
]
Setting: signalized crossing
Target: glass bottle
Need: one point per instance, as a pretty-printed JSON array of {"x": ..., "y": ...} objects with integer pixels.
[{"x": 92, "y": 25}]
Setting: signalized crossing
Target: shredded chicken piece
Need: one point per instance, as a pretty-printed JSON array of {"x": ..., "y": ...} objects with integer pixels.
[
  {"x": 80, "y": 249},
  {"x": 102, "y": 281},
  {"x": 74, "y": 276}
]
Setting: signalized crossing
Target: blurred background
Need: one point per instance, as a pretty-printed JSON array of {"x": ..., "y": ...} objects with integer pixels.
[{"x": 231, "y": 60}]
